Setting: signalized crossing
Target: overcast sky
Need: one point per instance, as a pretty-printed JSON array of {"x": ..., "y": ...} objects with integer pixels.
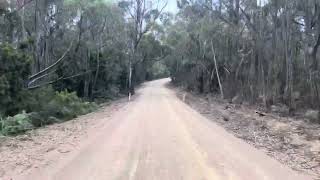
[{"x": 172, "y": 6}]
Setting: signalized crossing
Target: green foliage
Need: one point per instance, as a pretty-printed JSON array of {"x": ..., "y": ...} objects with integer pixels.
[
  {"x": 17, "y": 124},
  {"x": 37, "y": 99},
  {"x": 158, "y": 70},
  {"x": 14, "y": 71},
  {"x": 259, "y": 52},
  {"x": 95, "y": 67},
  {"x": 66, "y": 106},
  {"x": 47, "y": 106},
  {"x": 61, "y": 107}
]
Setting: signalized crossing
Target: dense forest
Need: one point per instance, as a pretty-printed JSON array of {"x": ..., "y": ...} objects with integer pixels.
[
  {"x": 60, "y": 57},
  {"x": 57, "y": 54},
  {"x": 260, "y": 51}
]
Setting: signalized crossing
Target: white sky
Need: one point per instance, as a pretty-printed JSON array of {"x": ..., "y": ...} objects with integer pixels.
[{"x": 172, "y": 6}]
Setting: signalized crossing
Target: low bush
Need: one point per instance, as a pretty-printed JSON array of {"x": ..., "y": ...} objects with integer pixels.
[
  {"x": 62, "y": 106},
  {"x": 17, "y": 124},
  {"x": 65, "y": 106}
]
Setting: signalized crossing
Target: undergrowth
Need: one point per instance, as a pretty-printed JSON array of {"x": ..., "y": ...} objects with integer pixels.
[{"x": 60, "y": 107}]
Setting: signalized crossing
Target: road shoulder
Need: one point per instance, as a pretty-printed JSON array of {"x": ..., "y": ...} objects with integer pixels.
[
  {"x": 283, "y": 139},
  {"x": 27, "y": 152}
]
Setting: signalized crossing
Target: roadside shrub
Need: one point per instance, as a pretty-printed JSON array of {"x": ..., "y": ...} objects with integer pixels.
[
  {"x": 65, "y": 106},
  {"x": 60, "y": 107},
  {"x": 17, "y": 124},
  {"x": 37, "y": 99},
  {"x": 39, "y": 119}
]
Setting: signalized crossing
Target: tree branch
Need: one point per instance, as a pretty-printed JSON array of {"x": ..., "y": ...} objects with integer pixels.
[{"x": 31, "y": 78}]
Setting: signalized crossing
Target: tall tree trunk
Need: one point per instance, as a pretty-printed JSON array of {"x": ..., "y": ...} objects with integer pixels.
[
  {"x": 97, "y": 73},
  {"x": 288, "y": 56},
  {"x": 23, "y": 29},
  {"x": 217, "y": 71},
  {"x": 87, "y": 76},
  {"x": 130, "y": 78}
]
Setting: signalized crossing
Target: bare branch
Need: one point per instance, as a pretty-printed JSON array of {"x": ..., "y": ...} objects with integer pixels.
[{"x": 51, "y": 66}]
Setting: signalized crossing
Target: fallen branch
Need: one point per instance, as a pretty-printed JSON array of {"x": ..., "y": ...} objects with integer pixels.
[
  {"x": 217, "y": 71},
  {"x": 31, "y": 78},
  {"x": 261, "y": 114}
]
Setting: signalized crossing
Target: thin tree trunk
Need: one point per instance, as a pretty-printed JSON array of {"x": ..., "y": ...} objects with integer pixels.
[
  {"x": 87, "y": 77},
  {"x": 23, "y": 23},
  {"x": 97, "y": 72},
  {"x": 217, "y": 71},
  {"x": 130, "y": 78},
  {"x": 288, "y": 57}
]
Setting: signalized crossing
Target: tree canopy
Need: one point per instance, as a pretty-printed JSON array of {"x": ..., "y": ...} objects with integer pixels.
[{"x": 265, "y": 51}]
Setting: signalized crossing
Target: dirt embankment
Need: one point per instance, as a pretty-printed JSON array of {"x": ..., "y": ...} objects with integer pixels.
[{"x": 294, "y": 142}]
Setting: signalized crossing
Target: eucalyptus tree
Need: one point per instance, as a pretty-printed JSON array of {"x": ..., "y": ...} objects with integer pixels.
[
  {"x": 141, "y": 16},
  {"x": 265, "y": 50}
]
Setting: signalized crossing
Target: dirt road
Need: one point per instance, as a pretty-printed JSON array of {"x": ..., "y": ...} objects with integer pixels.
[{"x": 158, "y": 137}]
